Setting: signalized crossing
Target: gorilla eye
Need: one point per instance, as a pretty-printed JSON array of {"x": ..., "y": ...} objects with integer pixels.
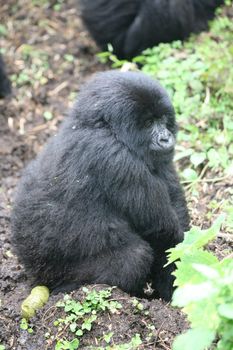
[{"x": 148, "y": 123}]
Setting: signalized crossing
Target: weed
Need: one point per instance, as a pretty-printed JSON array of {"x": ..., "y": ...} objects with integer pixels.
[
  {"x": 82, "y": 315},
  {"x": 205, "y": 291}
]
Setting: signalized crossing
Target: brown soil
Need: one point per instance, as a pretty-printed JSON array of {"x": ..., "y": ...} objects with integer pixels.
[{"x": 24, "y": 130}]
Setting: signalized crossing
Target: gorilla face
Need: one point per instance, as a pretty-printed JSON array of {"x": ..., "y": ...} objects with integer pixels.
[
  {"x": 162, "y": 139},
  {"x": 146, "y": 123}
]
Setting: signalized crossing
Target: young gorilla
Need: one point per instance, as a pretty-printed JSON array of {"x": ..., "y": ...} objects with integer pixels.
[
  {"x": 5, "y": 86},
  {"x": 134, "y": 25},
  {"x": 102, "y": 202}
]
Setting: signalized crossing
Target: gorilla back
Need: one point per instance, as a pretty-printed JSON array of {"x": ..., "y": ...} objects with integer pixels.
[
  {"x": 102, "y": 202},
  {"x": 134, "y": 25}
]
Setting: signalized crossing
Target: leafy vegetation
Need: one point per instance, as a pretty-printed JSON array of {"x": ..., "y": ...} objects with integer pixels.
[
  {"x": 205, "y": 291},
  {"x": 81, "y": 316},
  {"x": 133, "y": 344},
  {"x": 37, "y": 72}
]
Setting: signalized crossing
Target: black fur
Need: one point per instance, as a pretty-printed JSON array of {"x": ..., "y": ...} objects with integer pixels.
[
  {"x": 102, "y": 202},
  {"x": 134, "y": 25},
  {"x": 5, "y": 86}
]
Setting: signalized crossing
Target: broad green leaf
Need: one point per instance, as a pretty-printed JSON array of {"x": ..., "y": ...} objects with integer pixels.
[
  {"x": 175, "y": 253},
  {"x": 197, "y": 158},
  {"x": 73, "y": 327},
  {"x": 194, "y": 339},
  {"x": 185, "y": 272},
  {"x": 204, "y": 313},
  {"x": 107, "y": 337},
  {"x": 79, "y": 333},
  {"x": 214, "y": 158},
  {"x": 199, "y": 238},
  {"x": 193, "y": 239},
  {"x": 190, "y": 175},
  {"x": 226, "y": 310},
  {"x": 192, "y": 293},
  {"x": 182, "y": 154},
  {"x": 208, "y": 272}
]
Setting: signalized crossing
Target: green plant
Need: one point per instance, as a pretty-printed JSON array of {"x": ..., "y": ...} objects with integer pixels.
[
  {"x": 3, "y": 30},
  {"x": 138, "y": 306},
  {"x": 132, "y": 345},
  {"x": 36, "y": 67},
  {"x": 25, "y": 326},
  {"x": 205, "y": 291},
  {"x": 82, "y": 315}
]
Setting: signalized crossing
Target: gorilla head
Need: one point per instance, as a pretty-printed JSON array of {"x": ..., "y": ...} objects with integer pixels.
[
  {"x": 102, "y": 202},
  {"x": 136, "y": 109}
]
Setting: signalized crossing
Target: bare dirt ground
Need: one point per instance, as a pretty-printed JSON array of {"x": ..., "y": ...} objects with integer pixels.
[{"x": 53, "y": 38}]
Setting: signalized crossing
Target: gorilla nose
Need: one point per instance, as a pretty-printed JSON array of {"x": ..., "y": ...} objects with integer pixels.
[{"x": 165, "y": 139}]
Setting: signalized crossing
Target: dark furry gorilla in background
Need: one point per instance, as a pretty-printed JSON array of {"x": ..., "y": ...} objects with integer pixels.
[
  {"x": 5, "y": 86},
  {"x": 134, "y": 25},
  {"x": 102, "y": 202}
]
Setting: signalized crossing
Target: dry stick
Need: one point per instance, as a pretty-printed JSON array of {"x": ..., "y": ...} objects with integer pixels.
[
  {"x": 230, "y": 256},
  {"x": 200, "y": 179},
  {"x": 58, "y": 88},
  {"x": 227, "y": 236}
]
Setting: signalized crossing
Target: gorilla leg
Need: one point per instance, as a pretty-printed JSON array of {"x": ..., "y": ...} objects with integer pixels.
[
  {"x": 128, "y": 268},
  {"x": 162, "y": 278}
]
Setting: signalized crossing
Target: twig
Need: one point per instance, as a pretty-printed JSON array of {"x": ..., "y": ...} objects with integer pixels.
[
  {"x": 216, "y": 179},
  {"x": 58, "y": 88},
  {"x": 230, "y": 256},
  {"x": 227, "y": 236}
]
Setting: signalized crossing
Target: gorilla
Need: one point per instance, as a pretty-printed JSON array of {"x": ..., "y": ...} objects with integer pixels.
[
  {"x": 102, "y": 202},
  {"x": 134, "y": 25},
  {"x": 5, "y": 86}
]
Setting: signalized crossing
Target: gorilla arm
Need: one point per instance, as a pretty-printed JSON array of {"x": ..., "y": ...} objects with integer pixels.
[{"x": 133, "y": 191}]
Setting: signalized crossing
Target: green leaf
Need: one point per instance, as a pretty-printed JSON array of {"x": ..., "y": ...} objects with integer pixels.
[
  {"x": 48, "y": 115},
  {"x": 136, "y": 341},
  {"x": 3, "y": 30},
  {"x": 214, "y": 158},
  {"x": 24, "y": 324},
  {"x": 199, "y": 238},
  {"x": 74, "y": 344},
  {"x": 69, "y": 58},
  {"x": 203, "y": 313},
  {"x": 208, "y": 272},
  {"x": 190, "y": 175},
  {"x": 87, "y": 326},
  {"x": 186, "y": 273},
  {"x": 79, "y": 333},
  {"x": 226, "y": 310},
  {"x": 182, "y": 153},
  {"x": 197, "y": 158},
  {"x": 107, "y": 337},
  {"x": 73, "y": 327},
  {"x": 194, "y": 339},
  {"x": 192, "y": 293},
  {"x": 194, "y": 239}
]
